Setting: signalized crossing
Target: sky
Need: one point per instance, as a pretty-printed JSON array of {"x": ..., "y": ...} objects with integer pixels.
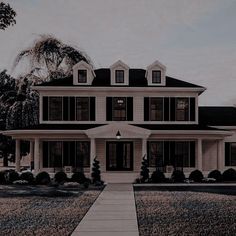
[{"x": 194, "y": 39}]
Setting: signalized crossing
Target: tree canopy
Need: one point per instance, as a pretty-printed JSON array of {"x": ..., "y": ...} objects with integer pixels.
[{"x": 7, "y": 16}]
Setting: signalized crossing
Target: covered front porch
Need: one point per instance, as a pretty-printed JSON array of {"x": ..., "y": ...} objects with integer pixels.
[{"x": 120, "y": 157}]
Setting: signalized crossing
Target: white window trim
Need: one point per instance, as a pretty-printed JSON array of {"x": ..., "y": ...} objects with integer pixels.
[{"x": 119, "y": 65}]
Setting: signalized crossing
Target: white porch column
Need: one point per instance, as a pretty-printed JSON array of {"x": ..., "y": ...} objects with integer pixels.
[
  {"x": 144, "y": 147},
  {"x": 199, "y": 154},
  {"x": 17, "y": 155},
  {"x": 92, "y": 152},
  {"x": 36, "y": 156},
  {"x": 31, "y": 153},
  {"x": 220, "y": 155}
]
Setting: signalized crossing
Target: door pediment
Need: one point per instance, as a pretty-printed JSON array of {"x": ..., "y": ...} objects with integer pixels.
[{"x": 110, "y": 131}]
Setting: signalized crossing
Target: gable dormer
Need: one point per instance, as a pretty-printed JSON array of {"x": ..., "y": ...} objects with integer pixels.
[
  {"x": 83, "y": 73},
  {"x": 119, "y": 74},
  {"x": 156, "y": 74}
]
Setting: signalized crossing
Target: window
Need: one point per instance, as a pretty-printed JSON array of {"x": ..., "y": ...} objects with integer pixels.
[
  {"x": 156, "y": 157},
  {"x": 66, "y": 153},
  {"x": 119, "y": 108},
  {"x": 174, "y": 153},
  {"x": 230, "y": 154},
  {"x": 182, "y": 109},
  {"x": 156, "y": 76},
  {"x": 55, "y": 108},
  {"x": 82, "y": 108},
  {"x": 156, "y": 109},
  {"x": 119, "y": 76},
  {"x": 82, "y": 76}
]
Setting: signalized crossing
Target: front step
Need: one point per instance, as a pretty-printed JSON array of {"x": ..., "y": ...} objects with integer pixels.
[{"x": 119, "y": 177}]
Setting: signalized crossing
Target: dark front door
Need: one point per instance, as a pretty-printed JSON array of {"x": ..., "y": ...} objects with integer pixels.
[{"x": 119, "y": 156}]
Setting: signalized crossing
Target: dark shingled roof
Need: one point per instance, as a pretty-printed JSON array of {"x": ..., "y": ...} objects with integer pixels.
[
  {"x": 175, "y": 127},
  {"x": 217, "y": 116},
  {"x": 136, "y": 79}
]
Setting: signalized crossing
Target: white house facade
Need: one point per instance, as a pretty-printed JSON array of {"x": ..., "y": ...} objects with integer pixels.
[{"x": 120, "y": 115}]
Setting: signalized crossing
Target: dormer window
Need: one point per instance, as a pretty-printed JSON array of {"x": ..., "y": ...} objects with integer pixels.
[
  {"x": 120, "y": 76},
  {"x": 156, "y": 76},
  {"x": 82, "y": 76}
]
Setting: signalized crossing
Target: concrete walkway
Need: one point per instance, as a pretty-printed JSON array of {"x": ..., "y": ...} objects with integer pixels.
[{"x": 112, "y": 214}]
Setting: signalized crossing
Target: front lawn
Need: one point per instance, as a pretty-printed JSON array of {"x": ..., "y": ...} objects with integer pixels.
[
  {"x": 44, "y": 212},
  {"x": 185, "y": 213}
]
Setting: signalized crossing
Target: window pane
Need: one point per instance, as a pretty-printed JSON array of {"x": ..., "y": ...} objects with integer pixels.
[
  {"x": 55, "y": 154},
  {"x": 233, "y": 154},
  {"x": 82, "y": 76},
  {"x": 55, "y": 108},
  {"x": 156, "y": 154},
  {"x": 156, "y": 109},
  {"x": 119, "y": 76},
  {"x": 182, "y": 109},
  {"x": 119, "y": 109},
  {"x": 82, "y": 108},
  {"x": 156, "y": 76},
  {"x": 82, "y": 154},
  {"x": 182, "y": 154}
]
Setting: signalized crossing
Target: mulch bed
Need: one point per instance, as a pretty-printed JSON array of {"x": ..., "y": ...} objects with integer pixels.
[
  {"x": 43, "y": 210},
  {"x": 185, "y": 213}
]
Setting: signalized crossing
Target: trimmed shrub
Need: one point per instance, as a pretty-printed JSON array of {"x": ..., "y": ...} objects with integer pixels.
[
  {"x": 144, "y": 171},
  {"x": 215, "y": 174},
  {"x": 196, "y": 176},
  {"x": 43, "y": 178},
  {"x": 178, "y": 176},
  {"x": 60, "y": 177},
  {"x": 28, "y": 176},
  {"x": 96, "y": 173},
  {"x": 158, "y": 177},
  {"x": 78, "y": 177},
  {"x": 3, "y": 177},
  {"x": 229, "y": 175},
  {"x": 12, "y": 176}
]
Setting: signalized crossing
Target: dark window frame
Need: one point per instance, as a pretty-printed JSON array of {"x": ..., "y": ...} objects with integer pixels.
[
  {"x": 155, "y": 109},
  {"x": 82, "y": 76},
  {"x": 124, "y": 109},
  {"x": 59, "y": 114},
  {"x": 232, "y": 159},
  {"x": 85, "y": 111},
  {"x": 118, "y": 78},
  {"x": 156, "y": 76},
  {"x": 186, "y": 113}
]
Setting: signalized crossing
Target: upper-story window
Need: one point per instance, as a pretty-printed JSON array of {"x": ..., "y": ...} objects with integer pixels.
[
  {"x": 82, "y": 108},
  {"x": 68, "y": 108},
  {"x": 156, "y": 76},
  {"x": 82, "y": 76},
  {"x": 119, "y": 108},
  {"x": 119, "y": 76},
  {"x": 182, "y": 109},
  {"x": 55, "y": 108},
  {"x": 156, "y": 109}
]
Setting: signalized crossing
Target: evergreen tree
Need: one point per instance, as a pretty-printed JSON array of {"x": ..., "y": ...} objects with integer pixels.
[
  {"x": 144, "y": 170},
  {"x": 96, "y": 173}
]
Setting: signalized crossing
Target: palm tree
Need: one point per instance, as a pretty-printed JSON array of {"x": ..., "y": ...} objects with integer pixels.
[{"x": 50, "y": 58}]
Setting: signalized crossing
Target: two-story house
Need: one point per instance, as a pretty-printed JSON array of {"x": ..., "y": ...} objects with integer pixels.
[{"x": 119, "y": 115}]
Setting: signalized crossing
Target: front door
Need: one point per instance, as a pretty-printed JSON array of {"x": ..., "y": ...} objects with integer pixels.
[{"x": 119, "y": 156}]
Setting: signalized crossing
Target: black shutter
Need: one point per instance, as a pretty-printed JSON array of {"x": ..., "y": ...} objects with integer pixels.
[
  {"x": 72, "y": 108},
  {"x": 45, "y": 154},
  {"x": 166, "y": 109},
  {"x": 65, "y": 108},
  {"x": 45, "y": 108},
  {"x": 166, "y": 153},
  {"x": 172, "y": 153},
  {"x": 109, "y": 108},
  {"x": 192, "y": 109},
  {"x": 192, "y": 154},
  {"x": 129, "y": 109},
  {"x": 92, "y": 108},
  {"x": 172, "y": 109},
  {"x": 227, "y": 154},
  {"x": 146, "y": 109},
  {"x": 148, "y": 151}
]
